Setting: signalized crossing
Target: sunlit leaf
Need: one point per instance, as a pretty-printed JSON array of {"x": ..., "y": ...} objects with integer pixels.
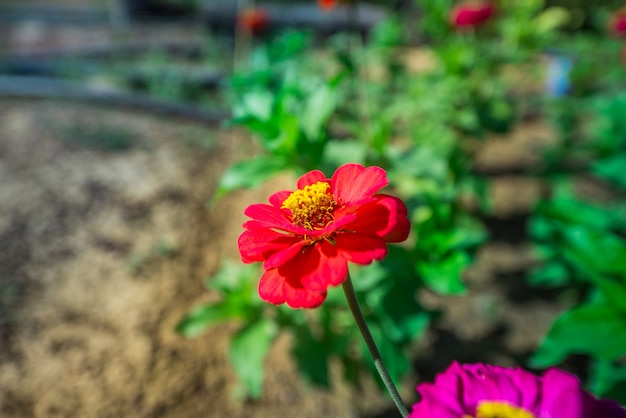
[
  {"x": 249, "y": 174},
  {"x": 595, "y": 329},
  {"x": 444, "y": 276}
]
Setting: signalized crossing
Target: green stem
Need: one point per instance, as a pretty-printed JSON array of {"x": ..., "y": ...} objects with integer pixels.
[{"x": 371, "y": 346}]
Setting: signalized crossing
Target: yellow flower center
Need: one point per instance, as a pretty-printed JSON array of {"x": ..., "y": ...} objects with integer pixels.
[
  {"x": 494, "y": 409},
  {"x": 312, "y": 207}
]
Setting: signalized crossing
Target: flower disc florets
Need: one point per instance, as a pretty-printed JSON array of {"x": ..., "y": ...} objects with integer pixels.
[
  {"x": 492, "y": 409},
  {"x": 312, "y": 207}
]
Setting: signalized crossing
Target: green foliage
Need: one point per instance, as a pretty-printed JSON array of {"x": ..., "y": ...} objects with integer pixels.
[
  {"x": 582, "y": 247},
  {"x": 325, "y": 333}
]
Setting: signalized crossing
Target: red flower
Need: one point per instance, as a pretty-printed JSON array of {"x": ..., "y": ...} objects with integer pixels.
[
  {"x": 306, "y": 238},
  {"x": 327, "y": 4},
  {"x": 617, "y": 22},
  {"x": 253, "y": 21},
  {"x": 471, "y": 13}
]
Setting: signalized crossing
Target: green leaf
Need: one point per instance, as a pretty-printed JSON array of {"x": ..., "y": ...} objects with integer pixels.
[
  {"x": 595, "y": 329},
  {"x": 608, "y": 380},
  {"x": 614, "y": 290},
  {"x": 550, "y": 274},
  {"x": 400, "y": 315},
  {"x": 317, "y": 110},
  {"x": 337, "y": 153},
  {"x": 257, "y": 104},
  {"x": 444, "y": 276},
  {"x": 612, "y": 169},
  {"x": 249, "y": 174},
  {"x": 595, "y": 252},
  {"x": 551, "y": 18},
  {"x": 202, "y": 317},
  {"x": 248, "y": 350},
  {"x": 312, "y": 358}
]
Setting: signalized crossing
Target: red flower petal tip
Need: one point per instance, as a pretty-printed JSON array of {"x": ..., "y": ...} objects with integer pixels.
[
  {"x": 467, "y": 14},
  {"x": 617, "y": 23},
  {"x": 327, "y": 4},
  {"x": 253, "y": 21}
]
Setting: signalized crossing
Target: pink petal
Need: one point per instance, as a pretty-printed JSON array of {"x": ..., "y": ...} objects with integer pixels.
[
  {"x": 425, "y": 409},
  {"x": 311, "y": 177},
  {"x": 353, "y": 182},
  {"x": 562, "y": 395},
  {"x": 530, "y": 388},
  {"x": 271, "y": 287},
  {"x": 361, "y": 249}
]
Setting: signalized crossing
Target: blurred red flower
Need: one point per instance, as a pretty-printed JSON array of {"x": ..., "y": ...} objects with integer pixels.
[
  {"x": 471, "y": 13},
  {"x": 253, "y": 21},
  {"x": 327, "y": 4},
  {"x": 305, "y": 238},
  {"x": 617, "y": 22}
]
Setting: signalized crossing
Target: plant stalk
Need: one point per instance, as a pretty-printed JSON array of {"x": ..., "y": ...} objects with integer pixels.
[{"x": 353, "y": 302}]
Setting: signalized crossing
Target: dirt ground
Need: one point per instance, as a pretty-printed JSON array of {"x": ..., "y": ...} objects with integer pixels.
[{"x": 105, "y": 247}]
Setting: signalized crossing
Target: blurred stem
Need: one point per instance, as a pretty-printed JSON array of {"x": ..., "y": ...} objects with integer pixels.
[{"x": 371, "y": 346}]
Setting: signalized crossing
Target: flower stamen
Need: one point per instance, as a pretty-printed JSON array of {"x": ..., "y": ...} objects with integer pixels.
[
  {"x": 495, "y": 409},
  {"x": 312, "y": 207}
]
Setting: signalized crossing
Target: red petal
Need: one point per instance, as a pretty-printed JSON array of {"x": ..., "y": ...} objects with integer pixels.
[
  {"x": 401, "y": 225},
  {"x": 285, "y": 254},
  {"x": 271, "y": 287},
  {"x": 311, "y": 177},
  {"x": 361, "y": 249},
  {"x": 384, "y": 217},
  {"x": 255, "y": 244},
  {"x": 278, "y": 198},
  {"x": 322, "y": 266},
  {"x": 276, "y": 288},
  {"x": 271, "y": 217},
  {"x": 298, "y": 296},
  {"x": 400, "y": 231},
  {"x": 353, "y": 182}
]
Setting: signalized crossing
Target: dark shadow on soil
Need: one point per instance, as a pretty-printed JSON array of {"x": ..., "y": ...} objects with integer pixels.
[{"x": 511, "y": 229}]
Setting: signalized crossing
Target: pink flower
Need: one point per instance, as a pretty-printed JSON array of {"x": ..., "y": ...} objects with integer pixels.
[
  {"x": 471, "y": 13},
  {"x": 305, "y": 238},
  {"x": 484, "y": 391}
]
